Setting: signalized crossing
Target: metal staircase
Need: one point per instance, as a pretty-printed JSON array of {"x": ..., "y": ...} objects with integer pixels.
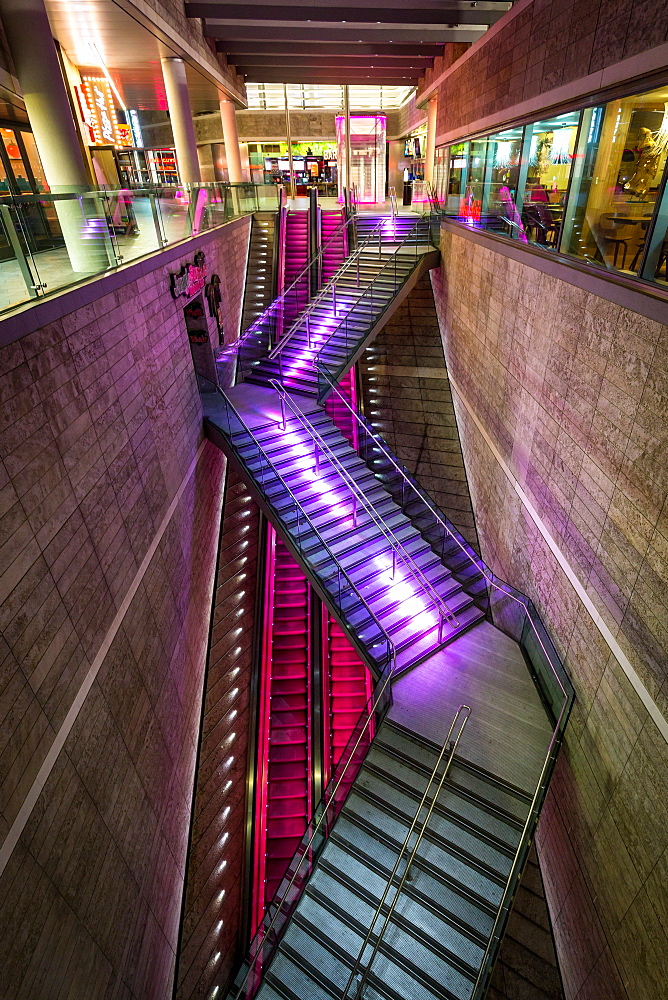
[
  {"x": 260, "y": 277},
  {"x": 395, "y": 890},
  {"x": 442, "y": 920},
  {"x": 346, "y": 313}
]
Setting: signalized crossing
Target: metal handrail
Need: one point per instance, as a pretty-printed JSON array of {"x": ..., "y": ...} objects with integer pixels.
[
  {"x": 437, "y": 514},
  {"x": 451, "y": 747},
  {"x": 299, "y": 506},
  {"x": 395, "y": 543},
  {"x": 392, "y": 260},
  {"x": 306, "y": 852},
  {"x": 353, "y": 258},
  {"x": 300, "y": 275},
  {"x": 515, "y": 873}
]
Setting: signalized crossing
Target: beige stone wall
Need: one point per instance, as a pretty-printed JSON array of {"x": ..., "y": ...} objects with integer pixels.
[
  {"x": 543, "y": 45},
  {"x": 571, "y": 391},
  {"x": 109, "y": 509}
]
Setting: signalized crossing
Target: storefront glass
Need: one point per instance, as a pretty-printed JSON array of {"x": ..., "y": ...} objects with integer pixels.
[
  {"x": 623, "y": 147},
  {"x": 586, "y": 183}
]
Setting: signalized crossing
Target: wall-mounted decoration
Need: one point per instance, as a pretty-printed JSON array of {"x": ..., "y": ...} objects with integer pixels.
[
  {"x": 190, "y": 279},
  {"x": 213, "y": 295}
]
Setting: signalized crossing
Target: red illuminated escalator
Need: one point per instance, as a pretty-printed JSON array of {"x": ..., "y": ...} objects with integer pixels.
[
  {"x": 284, "y": 786},
  {"x": 347, "y": 685},
  {"x": 334, "y": 245}
]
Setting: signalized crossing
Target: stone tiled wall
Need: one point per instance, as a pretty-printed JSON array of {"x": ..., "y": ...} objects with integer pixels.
[
  {"x": 407, "y": 398},
  {"x": 572, "y": 392},
  {"x": 108, "y": 531},
  {"x": 214, "y": 881},
  {"x": 541, "y": 46}
]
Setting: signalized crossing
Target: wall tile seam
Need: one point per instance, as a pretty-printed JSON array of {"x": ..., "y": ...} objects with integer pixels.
[
  {"x": 66, "y": 726},
  {"x": 652, "y": 708}
]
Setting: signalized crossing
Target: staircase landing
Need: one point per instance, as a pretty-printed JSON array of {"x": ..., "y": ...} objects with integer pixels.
[{"x": 508, "y": 732}]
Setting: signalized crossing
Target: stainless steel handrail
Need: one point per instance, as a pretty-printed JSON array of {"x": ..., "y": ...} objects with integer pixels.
[
  {"x": 300, "y": 508},
  {"x": 513, "y": 875},
  {"x": 396, "y": 544},
  {"x": 300, "y": 275},
  {"x": 436, "y": 513},
  {"x": 352, "y": 259},
  {"x": 451, "y": 747},
  {"x": 392, "y": 260}
]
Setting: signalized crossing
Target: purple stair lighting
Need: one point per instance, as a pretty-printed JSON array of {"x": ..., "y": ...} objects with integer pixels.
[{"x": 400, "y": 581}]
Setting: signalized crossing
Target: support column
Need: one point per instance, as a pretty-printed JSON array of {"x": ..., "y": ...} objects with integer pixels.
[
  {"x": 346, "y": 112},
  {"x": 228, "y": 117},
  {"x": 288, "y": 136},
  {"x": 430, "y": 152},
  {"x": 47, "y": 102},
  {"x": 180, "y": 115}
]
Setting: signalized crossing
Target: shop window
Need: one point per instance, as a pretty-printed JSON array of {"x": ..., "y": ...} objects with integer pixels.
[
  {"x": 621, "y": 160},
  {"x": 502, "y": 176},
  {"x": 592, "y": 184},
  {"x": 457, "y": 173}
]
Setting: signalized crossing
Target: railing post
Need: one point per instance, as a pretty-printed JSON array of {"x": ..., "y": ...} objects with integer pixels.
[
  {"x": 394, "y": 563},
  {"x": 317, "y": 458},
  {"x": 283, "y": 423},
  {"x": 308, "y": 329},
  {"x": 334, "y": 298},
  {"x": 32, "y": 283},
  {"x": 354, "y": 510}
]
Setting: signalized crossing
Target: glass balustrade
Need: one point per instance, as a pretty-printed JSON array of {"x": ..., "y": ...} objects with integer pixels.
[{"x": 50, "y": 241}]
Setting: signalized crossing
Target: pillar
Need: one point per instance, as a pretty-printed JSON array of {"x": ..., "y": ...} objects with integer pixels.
[
  {"x": 430, "y": 152},
  {"x": 181, "y": 118},
  {"x": 47, "y": 102},
  {"x": 228, "y": 117}
]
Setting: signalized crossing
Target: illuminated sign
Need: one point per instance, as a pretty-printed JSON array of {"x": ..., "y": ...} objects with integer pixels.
[
  {"x": 136, "y": 128},
  {"x": 99, "y": 113}
]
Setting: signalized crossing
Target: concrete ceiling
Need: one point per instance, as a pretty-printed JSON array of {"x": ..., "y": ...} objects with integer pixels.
[
  {"x": 375, "y": 41},
  {"x": 130, "y": 50}
]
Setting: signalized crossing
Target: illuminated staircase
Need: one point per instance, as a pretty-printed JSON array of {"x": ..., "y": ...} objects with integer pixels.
[{"x": 354, "y": 916}]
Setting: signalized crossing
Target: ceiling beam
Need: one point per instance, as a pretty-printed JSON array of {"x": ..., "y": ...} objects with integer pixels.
[
  {"x": 353, "y": 77},
  {"x": 287, "y": 61},
  {"x": 320, "y": 34},
  {"x": 240, "y": 13},
  {"x": 241, "y": 49},
  {"x": 375, "y": 5}
]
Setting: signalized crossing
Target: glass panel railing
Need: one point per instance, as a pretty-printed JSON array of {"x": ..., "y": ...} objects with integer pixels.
[
  {"x": 368, "y": 635},
  {"x": 510, "y": 610},
  {"x": 50, "y": 241}
]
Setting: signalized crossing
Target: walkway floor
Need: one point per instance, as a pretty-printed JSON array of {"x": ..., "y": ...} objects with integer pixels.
[{"x": 508, "y": 732}]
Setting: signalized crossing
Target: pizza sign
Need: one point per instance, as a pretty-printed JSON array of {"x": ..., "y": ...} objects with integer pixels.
[{"x": 190, "y": 280}]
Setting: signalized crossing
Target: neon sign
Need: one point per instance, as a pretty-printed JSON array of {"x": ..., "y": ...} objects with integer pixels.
[{"x": 99, "y": 114}]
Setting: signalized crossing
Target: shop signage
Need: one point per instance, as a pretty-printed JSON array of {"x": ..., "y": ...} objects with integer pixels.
[
  {"x": 96, "y": 101},
  {"x": 190, "y": 280}
]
